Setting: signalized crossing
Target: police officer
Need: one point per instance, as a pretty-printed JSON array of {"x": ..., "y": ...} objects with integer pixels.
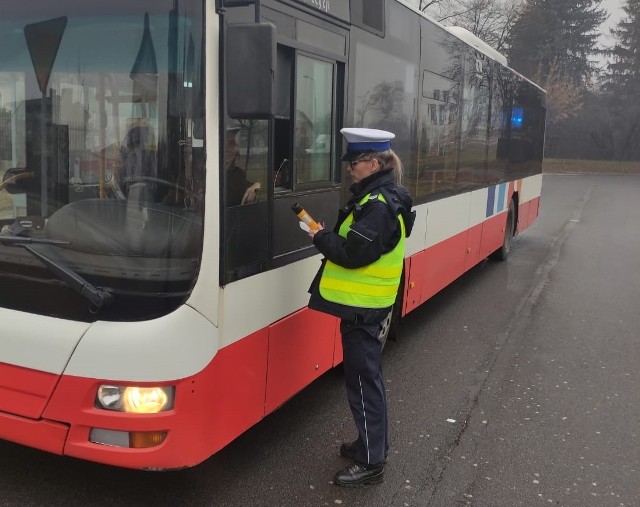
[{"x": 358, "y": 282}]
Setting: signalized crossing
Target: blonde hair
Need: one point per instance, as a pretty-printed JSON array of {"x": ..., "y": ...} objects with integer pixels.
[{"x": 390, "y": 161}]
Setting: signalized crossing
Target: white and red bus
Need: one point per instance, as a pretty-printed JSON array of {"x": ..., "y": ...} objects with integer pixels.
[{"x": 148, "y": 316}]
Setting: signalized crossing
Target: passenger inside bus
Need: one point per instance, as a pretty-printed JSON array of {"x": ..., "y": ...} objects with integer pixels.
[
  {"x": 239, "y": 189},
  {"x": 138, "y": 163}
]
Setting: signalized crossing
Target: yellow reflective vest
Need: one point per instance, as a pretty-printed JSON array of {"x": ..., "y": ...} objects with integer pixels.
[{"x": 371, "y": 286}]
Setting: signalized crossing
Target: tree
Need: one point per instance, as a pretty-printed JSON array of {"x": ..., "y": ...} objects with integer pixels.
[
  {"x": 625, "y": 65},
  {"x": 564, "y": 101},
  {"x": 622, "y": 83},
  {"x": 490, "y": 20},
  {"x": 423, "y": 5},
  {"x": 558, "y": 33},
  {"x": 564, "y": 97}
]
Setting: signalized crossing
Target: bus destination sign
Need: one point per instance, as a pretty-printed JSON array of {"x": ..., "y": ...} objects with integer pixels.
[
  {"x": 321, "y": 5},
  {"x": 337, "y": 8}
]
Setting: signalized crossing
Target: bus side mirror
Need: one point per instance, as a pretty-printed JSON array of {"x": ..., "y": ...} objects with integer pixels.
[{"x": 250, "y": 58}]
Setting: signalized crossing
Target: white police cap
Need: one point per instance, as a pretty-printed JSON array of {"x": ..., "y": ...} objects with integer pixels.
[{"x": 361, "y": 140}]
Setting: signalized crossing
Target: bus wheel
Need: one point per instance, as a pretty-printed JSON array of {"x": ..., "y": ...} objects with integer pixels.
[{"x": 502, "y": 253}]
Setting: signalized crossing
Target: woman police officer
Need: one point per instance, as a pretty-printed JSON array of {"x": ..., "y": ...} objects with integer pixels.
[{"x": 358, "y": 282}]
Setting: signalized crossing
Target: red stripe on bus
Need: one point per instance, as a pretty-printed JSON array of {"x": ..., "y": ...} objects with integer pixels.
[
  {"x": 430, "y": 271},
  {"x": 24, "y": 391},
  {"x": 534, "y": 209},
  {"x": 301, "y": 348},
  {"x": 44, "y": 435}
]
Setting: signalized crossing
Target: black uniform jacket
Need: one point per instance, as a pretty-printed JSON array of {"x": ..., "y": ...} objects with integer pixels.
[{"x": 375, "y": 231}]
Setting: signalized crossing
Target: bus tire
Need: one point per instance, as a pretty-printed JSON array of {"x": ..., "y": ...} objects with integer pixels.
[{"x": 502, "y": 253}]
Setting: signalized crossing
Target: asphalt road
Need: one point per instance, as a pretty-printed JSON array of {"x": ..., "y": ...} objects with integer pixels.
[{"x": 517, "y": 385}]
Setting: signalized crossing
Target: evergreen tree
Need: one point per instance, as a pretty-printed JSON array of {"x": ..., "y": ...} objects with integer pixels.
[
  {"x": 556, "y": 33},
  {"x": 552, "y": 42},
  {"x": 624, "y": 69},
  {"x": 622, "y": 83}
]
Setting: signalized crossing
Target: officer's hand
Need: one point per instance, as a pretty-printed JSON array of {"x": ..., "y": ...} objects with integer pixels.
[{"x": 312, "y": 232}]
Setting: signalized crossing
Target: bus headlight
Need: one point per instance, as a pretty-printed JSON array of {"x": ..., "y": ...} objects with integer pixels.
[{"x": 135, "y": 400}]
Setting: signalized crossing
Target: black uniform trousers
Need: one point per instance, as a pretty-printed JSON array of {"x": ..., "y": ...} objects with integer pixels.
[{"x": 362, "y": 352}]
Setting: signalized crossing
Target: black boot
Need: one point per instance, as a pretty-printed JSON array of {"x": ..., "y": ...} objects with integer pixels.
[{"x": 358, "y": 475}]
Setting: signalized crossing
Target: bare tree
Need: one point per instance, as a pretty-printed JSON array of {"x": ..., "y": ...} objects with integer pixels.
[
  {"x": 491, "y": 20},
  {"x": 425, "y": 4},
  {"x": 564, "y": 97},
  {"x": 564, "y": 101}
]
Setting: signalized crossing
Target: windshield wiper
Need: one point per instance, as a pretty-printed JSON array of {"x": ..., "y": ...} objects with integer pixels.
[{"x": 97, "y": 296}]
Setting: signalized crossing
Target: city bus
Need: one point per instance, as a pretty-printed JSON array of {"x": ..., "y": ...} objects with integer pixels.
[{"x": 149, "y": 317}]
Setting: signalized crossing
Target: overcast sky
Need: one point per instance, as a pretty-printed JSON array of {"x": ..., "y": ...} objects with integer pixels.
[{"x": 614, "y": 8}]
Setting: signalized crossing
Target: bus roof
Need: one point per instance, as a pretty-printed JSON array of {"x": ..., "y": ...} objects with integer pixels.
[
  {"x": 463, "y": 34},
  {"x": 477, "y": 43}
]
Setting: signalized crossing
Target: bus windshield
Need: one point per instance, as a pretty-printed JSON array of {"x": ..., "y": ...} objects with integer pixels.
[{"x": 102, "y": 152}]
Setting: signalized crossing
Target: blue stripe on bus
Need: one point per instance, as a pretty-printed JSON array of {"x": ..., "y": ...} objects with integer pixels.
[
  {"x": 502, "y": 189},
  {"x": 491, "y": 197}
]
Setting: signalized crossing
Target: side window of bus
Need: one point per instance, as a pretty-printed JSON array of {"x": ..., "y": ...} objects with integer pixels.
[
  {"x": 268, "y": 163},
  {"x": 303, "y": 148},
  {"x": 526, "y": 132},
  {"x": 283, "y": 166},
  {"x": 244, "y": 178},
  {"x": 313, "y": 120},
  {"x": 439, "y": 134},
  {"x": 304, "y": 112},
  {"x": 498, "y": 131},
  {"x": 245, "y": 161},
  {"x": 475, "y": 108}
]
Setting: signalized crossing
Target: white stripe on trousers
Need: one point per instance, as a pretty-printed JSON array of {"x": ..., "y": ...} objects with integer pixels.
[{"x": 364, "y": 412}]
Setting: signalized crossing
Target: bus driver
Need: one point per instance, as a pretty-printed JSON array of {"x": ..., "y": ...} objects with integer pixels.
[{"x": 239, "y": 189}]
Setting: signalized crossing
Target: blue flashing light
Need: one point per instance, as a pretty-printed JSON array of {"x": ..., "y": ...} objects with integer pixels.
[{"x": 517, "y": 117}]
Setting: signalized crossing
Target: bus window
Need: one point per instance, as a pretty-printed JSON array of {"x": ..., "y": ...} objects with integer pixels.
[
  {"x": 313, "y": 120},
  {"x": 281, "y": 157},
  {"x": 304, "y": 148},
  {"x": 526, "y": 123},
  {"x": 384, "y": 78},
  {"x": 101, "y": 147},
  {"x": 246, "y": 151},
  {"x": 244, "y": 188},
  {"x": 499, "y": 100},
  {"x": 475, "y": 107},
  {"x": 439, "y": 134},
  {"x": 440, "y": 108},
  {"x": 282, "y": 177}
]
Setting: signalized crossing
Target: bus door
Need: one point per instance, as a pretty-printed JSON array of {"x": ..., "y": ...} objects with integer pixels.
[
  {"x": 292, "y": 155},
  {"x": 305, "y": 156}
]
